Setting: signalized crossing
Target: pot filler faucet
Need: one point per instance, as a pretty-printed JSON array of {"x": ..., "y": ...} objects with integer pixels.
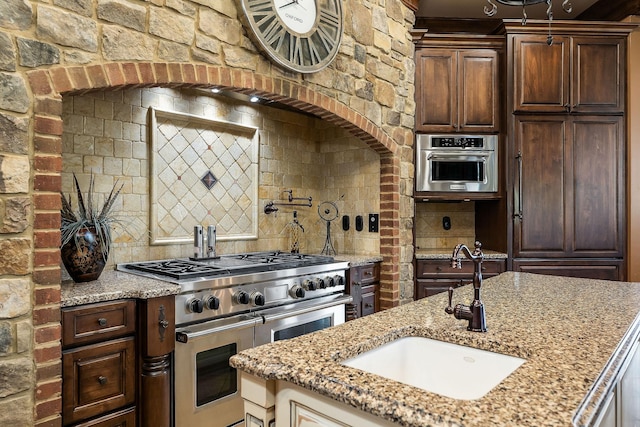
[{"x": 474, "y": 313}]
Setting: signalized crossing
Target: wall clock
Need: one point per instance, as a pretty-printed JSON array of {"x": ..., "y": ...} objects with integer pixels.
[{"x": 298, "y": 35}]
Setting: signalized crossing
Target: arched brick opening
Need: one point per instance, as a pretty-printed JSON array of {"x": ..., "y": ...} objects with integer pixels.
[{"x": 48, "y": 86}]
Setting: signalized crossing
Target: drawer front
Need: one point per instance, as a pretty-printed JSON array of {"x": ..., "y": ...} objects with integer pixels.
[
  {"x": 430, "y": 268},
  {"x": 427, "y": 288},
  {"x": 126, "y": 418},
  {"x": 98, "y": 322},
  {"x": 367, "y": 274},
  {"x": 98, "y": 378},
  {"x": 368, "y": 304}
]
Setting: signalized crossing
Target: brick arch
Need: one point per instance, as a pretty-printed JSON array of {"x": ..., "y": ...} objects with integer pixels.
[{"x": 49, "y": 85}]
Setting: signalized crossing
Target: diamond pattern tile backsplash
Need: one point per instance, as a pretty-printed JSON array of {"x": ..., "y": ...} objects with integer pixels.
[
  {"x": 254, "y": 153},
  {"x": 203, "y": 172}
]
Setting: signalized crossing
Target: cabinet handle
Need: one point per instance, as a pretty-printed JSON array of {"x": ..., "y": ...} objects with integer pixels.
[
  {"x": 102, "y": 380},
  {"x": 368, "y": 305},
  {"x": 517, "y": 199},
  {"x": 368, "y": 273},
  {"x": 102, "y": 321},
  {"x": 438, "y": 268}
]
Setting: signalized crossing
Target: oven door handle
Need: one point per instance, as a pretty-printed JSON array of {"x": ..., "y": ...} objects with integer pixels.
[
  {"x": 467, "y": 156},
  {"x": 183, "y": 335},
  {"x": 341, "y": 300}
]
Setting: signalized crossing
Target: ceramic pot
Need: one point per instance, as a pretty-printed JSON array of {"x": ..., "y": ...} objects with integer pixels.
[{"x": 84, "y": 261}]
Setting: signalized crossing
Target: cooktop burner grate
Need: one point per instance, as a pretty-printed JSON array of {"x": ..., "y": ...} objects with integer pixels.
[
  {"x": 226, "y": 265},
  {"x": 179, "y": 269}
]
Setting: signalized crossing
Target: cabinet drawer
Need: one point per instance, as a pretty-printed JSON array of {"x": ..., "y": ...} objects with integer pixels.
[
  {"x": 126, "y": 418},
  {"x": 98, "y": 322},
  {"x": 431, "y": 268},
  {"x": 427, "y": 288},
  {"x": 366, "y": 274},
  {"x": 98, "y": 378},
  {"x": 368, "y": 304}
]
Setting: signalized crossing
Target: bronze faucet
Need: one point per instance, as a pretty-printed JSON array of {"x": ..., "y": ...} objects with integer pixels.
[{"x": 474, "y": 313}]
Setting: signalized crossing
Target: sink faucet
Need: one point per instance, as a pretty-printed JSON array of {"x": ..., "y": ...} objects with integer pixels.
[{"x": 474, "y": 313}]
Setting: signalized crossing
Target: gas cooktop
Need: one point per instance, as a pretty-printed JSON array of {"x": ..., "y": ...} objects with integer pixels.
[{"x": 226, "y": 265}]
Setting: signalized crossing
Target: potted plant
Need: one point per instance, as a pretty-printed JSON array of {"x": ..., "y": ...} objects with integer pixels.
[{"x": 86, "y": 233}]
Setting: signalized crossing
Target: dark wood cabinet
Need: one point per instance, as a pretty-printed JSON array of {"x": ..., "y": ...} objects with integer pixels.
[
  {"x": 98, "y": 360},
  {"x": 116, "y": 363},
  {"x": 578, "y": 74},
  {"x": 566, "y": 162},
  {"x": 457, "y": 84},
  {"x": 569, "y": 186},
  {"x": 363, "y": 284},
  {"x": 434, "y": 276}
]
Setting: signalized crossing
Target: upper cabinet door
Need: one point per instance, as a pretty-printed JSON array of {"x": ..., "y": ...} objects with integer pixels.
[
  {"x": 457, "y": 90},
  {"x": 436, "y": 93},
  {"x": 573, "y": 75},
  {"x": 541, "y": 73},
  {"x": 598, "y": 75},
  {"x": 478, "y": 99}
]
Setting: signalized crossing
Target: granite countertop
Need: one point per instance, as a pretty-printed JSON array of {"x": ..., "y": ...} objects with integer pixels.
[
  {"x": 358, "y": 260},
  {"x": 445, "y": 253},
  {"x": 567, "y": 329},
  {"x": 114, "y": 285}
]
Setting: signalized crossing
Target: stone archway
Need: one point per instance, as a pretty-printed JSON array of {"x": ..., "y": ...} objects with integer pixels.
[{"x": 49, "y": 85}]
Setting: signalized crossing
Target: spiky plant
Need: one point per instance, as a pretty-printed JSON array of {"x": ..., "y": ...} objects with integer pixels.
[{"x": 87, "y": 216}]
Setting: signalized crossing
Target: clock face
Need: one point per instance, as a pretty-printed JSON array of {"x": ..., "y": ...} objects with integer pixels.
[{"x": 299, "y": 35}]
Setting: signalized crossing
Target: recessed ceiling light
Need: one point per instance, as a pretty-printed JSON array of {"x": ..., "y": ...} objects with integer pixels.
[
  {"x": 215, "y": 90},
  {"x": 254, "y": 99}
]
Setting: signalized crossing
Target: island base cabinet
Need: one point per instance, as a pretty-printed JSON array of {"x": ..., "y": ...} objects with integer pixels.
[
  {"x": 273, "y": 403},
  {"x": 622, "y": 405},
  {"x": 298, "y": 407}
]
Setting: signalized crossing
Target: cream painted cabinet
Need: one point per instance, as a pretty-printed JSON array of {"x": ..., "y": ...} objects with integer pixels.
[{"x": 622, "y": 406}]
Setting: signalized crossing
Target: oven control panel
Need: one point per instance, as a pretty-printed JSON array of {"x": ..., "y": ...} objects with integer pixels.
[{"x": 219, "y": 301}]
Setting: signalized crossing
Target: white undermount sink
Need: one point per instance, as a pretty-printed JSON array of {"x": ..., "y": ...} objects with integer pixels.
[{"x": 447, "y": 369}]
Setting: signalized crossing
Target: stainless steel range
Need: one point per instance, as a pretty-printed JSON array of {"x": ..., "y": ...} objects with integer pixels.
[{"x": 234, "y": 302}]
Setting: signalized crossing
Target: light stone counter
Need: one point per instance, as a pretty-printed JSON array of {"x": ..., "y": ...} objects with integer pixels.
[
  {"x": 567, "y": 329},
  {"x": 115, "y": 285},
  {"x": 358, "y": 260}
]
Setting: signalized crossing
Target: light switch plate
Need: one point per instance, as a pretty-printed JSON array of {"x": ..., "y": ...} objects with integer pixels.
[{"x": 374, "y": 223}]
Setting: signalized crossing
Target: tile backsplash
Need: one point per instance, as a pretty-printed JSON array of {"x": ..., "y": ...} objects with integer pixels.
[
  {"x": 107, "y": 133},
  {"x": 430, "y": 233}
]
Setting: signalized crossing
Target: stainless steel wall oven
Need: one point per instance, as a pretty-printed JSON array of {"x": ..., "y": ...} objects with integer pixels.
[
  {"x": 235, "y": 302},
  {"x": 457, "y": 163}
]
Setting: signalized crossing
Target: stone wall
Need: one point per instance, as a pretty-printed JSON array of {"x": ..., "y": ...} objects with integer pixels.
[{"x": 51, "y": 49}]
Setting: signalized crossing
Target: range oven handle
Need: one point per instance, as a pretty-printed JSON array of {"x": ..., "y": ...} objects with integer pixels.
[
  {"x": 341, "y": 300},
  {"x": 183, "y": 335}
]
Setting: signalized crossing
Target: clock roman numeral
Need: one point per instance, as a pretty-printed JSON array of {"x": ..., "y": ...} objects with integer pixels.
[
  {"x": 330, "y": 19},
  {"x": 260, "y": 5},
  {"x": 296, "y": 54}
]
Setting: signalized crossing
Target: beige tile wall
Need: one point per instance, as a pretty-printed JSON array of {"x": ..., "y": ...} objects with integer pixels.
[
  {"x": 429, "y": 231},
  {"x": 106, "y": 133}
]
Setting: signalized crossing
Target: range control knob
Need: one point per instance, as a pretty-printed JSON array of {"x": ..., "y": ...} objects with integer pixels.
[
  {"x": 329, "y": 282},
  {"x": 257, "y": 298},
  {"x": 296, "y": 291},
  {"x": 321, "y": 283},
  {"x": 309, "y": 285},
  {"x": 241, "y": 297},
  {"x": 211, "y": 302},
  {"x": 338, "y": 280},
  {"x": 195, "y": 305}
]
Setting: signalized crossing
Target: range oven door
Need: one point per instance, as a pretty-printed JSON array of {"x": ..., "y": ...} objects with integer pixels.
[
  {"x": 301, "y": 318},
  {"x": 206, "y": 388}
]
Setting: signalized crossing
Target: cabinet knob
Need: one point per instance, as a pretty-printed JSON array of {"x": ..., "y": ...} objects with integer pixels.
[
  {"x": 102, "y": 321},
  {"x": 164, "y": 324},
  {"x": 102, "y": 380}
]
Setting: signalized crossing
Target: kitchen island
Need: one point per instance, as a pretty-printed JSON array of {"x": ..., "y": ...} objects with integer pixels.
[{"x": 575, "y": 334}]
